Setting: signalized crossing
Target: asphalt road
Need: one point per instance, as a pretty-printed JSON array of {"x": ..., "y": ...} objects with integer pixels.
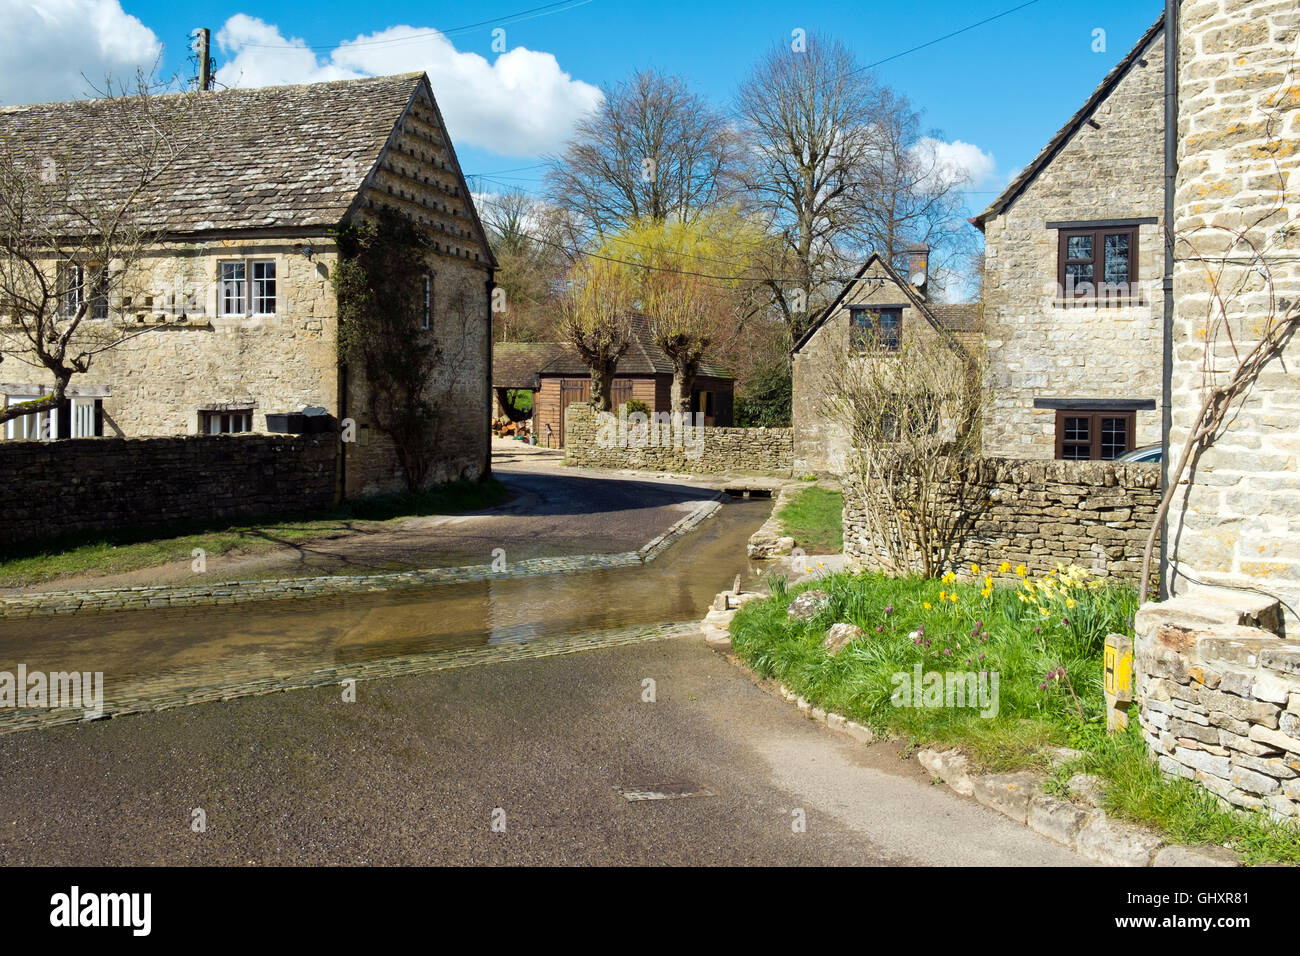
[{"x": 417, "y": 769}]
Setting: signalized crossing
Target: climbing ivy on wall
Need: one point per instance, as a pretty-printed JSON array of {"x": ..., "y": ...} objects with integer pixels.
[{"x": 379, "y": 282}]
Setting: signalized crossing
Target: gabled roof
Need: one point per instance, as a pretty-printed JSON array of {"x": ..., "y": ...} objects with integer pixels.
[
  {"x": 287, "y": 157},
  {"x": 1066, "y": 132},
  {"x": 642, "y": 358},
  {"x": 515, "y": 364},
  {"x": 961, "y": 317}
]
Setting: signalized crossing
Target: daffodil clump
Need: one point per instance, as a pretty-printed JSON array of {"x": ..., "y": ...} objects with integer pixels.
[{"x": 1057, "y": 592}]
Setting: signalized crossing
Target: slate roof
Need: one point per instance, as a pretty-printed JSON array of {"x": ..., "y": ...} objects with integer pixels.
[
  {"x": 276, "y": 157},
  {"x": 955, "y": 317},
  {"x": 643, "y": 358},
  {"x": 1063, "y": 136}
]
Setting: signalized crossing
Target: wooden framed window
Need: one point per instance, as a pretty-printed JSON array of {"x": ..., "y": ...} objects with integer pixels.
[
  {"x": 1098, "y": 263},
  {"x": 875, "y": 329},
  {"x": 76, "y": 284},
  {"x": 1087, "y": 435},
  {"x": 230, "y": 295},
  {"x": 263, "y": 288},
  {"x": 426, "y": 317}
]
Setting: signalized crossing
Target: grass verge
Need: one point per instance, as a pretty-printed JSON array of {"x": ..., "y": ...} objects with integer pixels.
[
  {"x": 133, "y": 549},
  {"x": 1042, "y": 641},
  {"x": 815, "y": 519}
]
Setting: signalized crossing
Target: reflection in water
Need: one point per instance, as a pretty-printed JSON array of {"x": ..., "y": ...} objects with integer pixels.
[{"x": 163, "y": 650}]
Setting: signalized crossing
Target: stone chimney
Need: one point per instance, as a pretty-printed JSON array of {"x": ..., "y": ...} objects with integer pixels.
[{"x": 918, "y": 266}]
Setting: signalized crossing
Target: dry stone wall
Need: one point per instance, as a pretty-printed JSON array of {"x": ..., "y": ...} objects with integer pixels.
[
  {"x": 1038, "y": 513},
  {"x": 99, "y": 484},
  {"x": 1218, "y": 696},
  {"x": 593, "y": 442}
]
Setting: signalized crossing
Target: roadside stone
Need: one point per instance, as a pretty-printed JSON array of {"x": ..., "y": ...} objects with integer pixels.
[
  {"x": 1107, "y": 841},
  {"x": 808, "y": 604},
  {"x": 1088, "y": 787},
  {"x": 838, "y": 637},
  {"x": 836, "y": 721},
  {"x": 950, "y": 766},
  {"x": 1056, "y": 819},
  {"x": 818, "y": 714},
  {"x": 1195, "y": 856},
  {"x": 859, "y": 732},
  {"x": 1008, "y": 793}
]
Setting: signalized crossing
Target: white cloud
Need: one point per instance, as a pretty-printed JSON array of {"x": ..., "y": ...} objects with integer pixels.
[
  {"x": 62, "y": 49},
  {"x": 520, "y": 104},
  {"x": 958, "y": 163}
]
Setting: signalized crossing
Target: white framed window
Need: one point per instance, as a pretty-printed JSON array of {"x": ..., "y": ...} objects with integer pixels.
[
  {"x": 426, "y": 318},
  {"x": 264, "y": 287},
  {"x": 246, "y": 287},
  {"x": 75, "y": 283},
  {"x": 231, "y": 291},
  {"x": 232, "y": 422}
]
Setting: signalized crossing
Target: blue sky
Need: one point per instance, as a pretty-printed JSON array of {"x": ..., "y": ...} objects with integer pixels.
[{"x": 1004, "y": 87}]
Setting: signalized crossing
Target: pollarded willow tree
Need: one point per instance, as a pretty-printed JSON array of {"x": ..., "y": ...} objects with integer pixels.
[
  {"x": 912, "y": 410},
  {"x": 595, "y": 318},
  {"x": 77, "y": 219}
]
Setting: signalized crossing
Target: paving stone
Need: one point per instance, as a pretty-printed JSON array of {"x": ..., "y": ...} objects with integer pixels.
[{"x": 1008, "y": 793}]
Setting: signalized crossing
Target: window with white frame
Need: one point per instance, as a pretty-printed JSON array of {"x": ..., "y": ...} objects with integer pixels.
[
  {"x": 246, "y": 287},
  {"x": 227, "y": 422},
  {"x": 76, "y": 283}
]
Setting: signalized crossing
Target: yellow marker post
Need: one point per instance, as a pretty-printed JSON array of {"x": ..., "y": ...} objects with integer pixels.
[{"x": 1118, "y": 680}]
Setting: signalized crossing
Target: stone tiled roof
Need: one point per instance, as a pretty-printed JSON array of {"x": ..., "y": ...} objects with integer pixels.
[
  {"x": 275, "y": 157},
  {"x": 642, "y": 358},
  {"x": 1057, "y": 142},
  {"x": 515, "y": 364},
  {"x": 959, "y": 317}
]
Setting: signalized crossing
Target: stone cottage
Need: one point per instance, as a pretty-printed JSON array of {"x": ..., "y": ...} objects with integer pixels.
[
  {"x": 1073, "y": 299},
  {"x": 877, "y": 308},
  {"x": 237, "y": 313}
]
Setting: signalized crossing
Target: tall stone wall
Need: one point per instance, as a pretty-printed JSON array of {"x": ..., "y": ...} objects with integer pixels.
[
  {"x": 1038, "y": 345},
  {"x": 593, "y": 442},
  {"x": 99, "y": 484},
  {"x": 1038, "y": 513},
  {"x": 1236, "y": 522}
]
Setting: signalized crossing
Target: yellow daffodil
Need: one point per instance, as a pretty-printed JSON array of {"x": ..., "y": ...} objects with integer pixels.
[
  {"x": 1044, "y": 611},
  {"x": 953, "y": 597},
  {"x": 1069, "y": 602},
  {"x": 974, "y": 569},
  {"x": 1004, "y": 567},
  {"x": 926, "y": 605},
  {"x": 1021, "y": 570},
  {"x": 943, "y": 595},
  {"x": 988, "y": 581}
]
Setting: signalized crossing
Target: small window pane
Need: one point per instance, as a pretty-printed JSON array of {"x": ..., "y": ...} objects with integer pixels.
[
  {"x": 1076, "y": 429},
  {"x": 1117, "y": 259},
  {"x": 1078, "y": 247},
  {"x": 264, "y": 288},
  {"x": 1114, "y": 437},
  {"x": 1075, "y": 452}
]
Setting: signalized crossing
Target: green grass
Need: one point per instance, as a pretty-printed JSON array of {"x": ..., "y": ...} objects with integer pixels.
[
  {"x": 991, "y": 631},
  {"x": 815, "y": 519},
  {"x": 133, "y": 549}
]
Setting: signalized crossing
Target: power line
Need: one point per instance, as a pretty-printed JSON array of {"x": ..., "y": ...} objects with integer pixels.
[
  {"x": 946, "y": 36},
  {"x": 532, "y": 13}
]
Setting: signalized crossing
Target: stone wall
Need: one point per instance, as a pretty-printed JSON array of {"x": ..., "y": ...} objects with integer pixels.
[
  {"x": 99, "y": 484},
  {"x": 1237, "y": 523},
  {"x": 1218, "y": 697},
  {"x": 1041, "y": 348},
  {"x": 593, "y": 442},
  {"x": 1039, "y": 513}
]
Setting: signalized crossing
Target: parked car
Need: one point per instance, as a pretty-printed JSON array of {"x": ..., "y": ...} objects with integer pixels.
[{"x": 1145, "y": 453}]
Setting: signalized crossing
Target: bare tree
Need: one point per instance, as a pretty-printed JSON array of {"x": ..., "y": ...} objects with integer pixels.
[
  {"x": 913, "y": 416},
  {"x": 595, "y": 319},
  {"x": 806, "y": 119},
  {"x": 652, "y": 149},
  {"x": 528, "y": 238},
  {"x": 71, "y": 238}
]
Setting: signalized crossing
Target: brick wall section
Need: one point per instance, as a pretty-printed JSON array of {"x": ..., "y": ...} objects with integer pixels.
[
  {"x": 1237, "y": 524},
  {"x": 766, "y": 451},
  {"x": 1041, "y": 513},
  {"x": 97, "y": 484},
  {"x": 1039, "y": 349},
  {"x": 1219, "y": 698}
]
